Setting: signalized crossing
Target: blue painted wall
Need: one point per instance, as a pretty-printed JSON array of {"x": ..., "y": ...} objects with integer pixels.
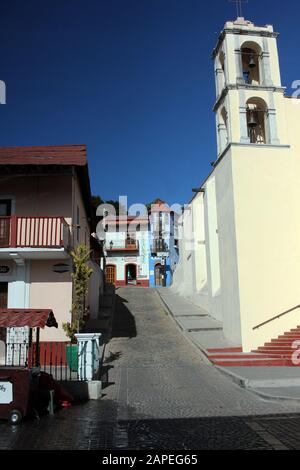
[{"x": 171, "y": 255}]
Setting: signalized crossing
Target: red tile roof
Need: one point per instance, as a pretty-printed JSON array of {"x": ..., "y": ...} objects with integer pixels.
[
  {"x": 19, "y": 317},
  {"x": 45, "y": 155}
]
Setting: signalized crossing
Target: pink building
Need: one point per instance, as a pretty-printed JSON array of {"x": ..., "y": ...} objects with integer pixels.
[{"x": 45, "y": 211}]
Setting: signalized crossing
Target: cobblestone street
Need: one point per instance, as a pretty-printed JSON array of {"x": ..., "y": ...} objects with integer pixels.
[{"x": 160, "y": 394}]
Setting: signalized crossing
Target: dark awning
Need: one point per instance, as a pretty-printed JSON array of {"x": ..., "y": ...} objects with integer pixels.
[{"x": 20, "y": 317}]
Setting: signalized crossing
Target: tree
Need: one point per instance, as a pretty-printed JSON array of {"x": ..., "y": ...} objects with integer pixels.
[
  {"x": 80, "y": 276},
  {"x": 97, "y": 201}
]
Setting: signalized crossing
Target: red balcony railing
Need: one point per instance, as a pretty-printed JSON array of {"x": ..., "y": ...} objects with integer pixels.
[{"x": 34, "y": 232}]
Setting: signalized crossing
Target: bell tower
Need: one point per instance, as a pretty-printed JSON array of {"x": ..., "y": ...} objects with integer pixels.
[
  {"x": 251, "y": 198},
  {"x": 249, "y": 93}
]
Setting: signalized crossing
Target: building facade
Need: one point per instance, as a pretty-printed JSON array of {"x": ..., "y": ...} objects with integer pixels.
[
  {"x": 45, "y": 212},
  {"x": 127, "y": 249},
  {"x": 244, "y": 218},
  {"x": 141, "y": 250},
  {"x": 163, "y": 253}
]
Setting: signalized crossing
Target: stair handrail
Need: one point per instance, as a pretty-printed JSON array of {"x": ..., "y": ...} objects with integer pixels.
[{"x": 276, "y": 317}]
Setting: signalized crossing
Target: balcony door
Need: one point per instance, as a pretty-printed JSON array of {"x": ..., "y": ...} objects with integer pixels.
[{"x": 5, "y": 212}]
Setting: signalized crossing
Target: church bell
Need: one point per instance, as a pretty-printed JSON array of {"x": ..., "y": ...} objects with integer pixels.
[
  {"x": 252, "y": 120},
  {"x": 252, "y": 63}
]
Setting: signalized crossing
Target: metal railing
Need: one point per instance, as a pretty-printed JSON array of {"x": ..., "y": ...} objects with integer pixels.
[
  {"x": 276, "y": 317},
  {"x": 56, "y": 358},
  {"x": 159, "y": 246},
  {"x": 128, "y": 244}
]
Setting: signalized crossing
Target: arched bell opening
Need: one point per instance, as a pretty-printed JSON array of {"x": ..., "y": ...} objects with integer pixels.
[
  {"x": 251, "y": 63},
  {"x": 257, "y": 115}
]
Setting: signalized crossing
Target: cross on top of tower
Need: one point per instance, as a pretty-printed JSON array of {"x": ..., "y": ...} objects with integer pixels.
[{"x": 239, "y": 6}]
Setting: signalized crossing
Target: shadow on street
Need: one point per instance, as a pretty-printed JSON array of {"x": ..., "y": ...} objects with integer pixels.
[{"x": 123, "y": 322}]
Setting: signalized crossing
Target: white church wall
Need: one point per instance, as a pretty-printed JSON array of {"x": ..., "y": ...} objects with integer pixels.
[
  {"x": 183, "y": 279},
  {"x": 227, "y": 308},
  {"x": 190, "y": 277},
  {"x": 266, "y": 195}
]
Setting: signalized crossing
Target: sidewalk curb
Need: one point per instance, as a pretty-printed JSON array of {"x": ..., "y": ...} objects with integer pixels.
[
  {"x": 242, "y": 382},
  {"x": 182, "y": 330},
  {"x": 246, "y": 384}
]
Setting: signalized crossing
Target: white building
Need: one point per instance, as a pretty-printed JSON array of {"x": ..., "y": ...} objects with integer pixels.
[
  {"x": 243, "y": 264},
  {"x": 127, "y": 246}
]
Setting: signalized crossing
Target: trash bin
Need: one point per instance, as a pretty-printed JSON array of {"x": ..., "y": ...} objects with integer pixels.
[{"x": 15, "y": 384}]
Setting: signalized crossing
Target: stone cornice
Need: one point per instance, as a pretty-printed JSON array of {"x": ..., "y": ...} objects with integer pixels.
[
  {"x": 242, "y": 32},
  {"x": 240, "y": 144},
  {"x": 245, "y": 86}
]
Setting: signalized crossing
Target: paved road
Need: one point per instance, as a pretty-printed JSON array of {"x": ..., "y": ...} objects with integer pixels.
[{"x": 160, "y": 394}]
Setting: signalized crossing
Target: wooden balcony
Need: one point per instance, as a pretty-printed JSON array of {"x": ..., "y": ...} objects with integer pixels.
[{"x": 34, "y": 232}]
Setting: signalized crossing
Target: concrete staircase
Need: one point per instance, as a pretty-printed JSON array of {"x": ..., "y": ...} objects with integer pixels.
[{"x": 277, "y": 352}]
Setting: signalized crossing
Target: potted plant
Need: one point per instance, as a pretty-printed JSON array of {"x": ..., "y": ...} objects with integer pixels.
[{"x": 80, "y": 276}]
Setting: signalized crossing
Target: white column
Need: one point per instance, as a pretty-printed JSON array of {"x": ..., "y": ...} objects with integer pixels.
[
  {"x": 272, "y": 127},
  {"x": 220, "y": 80},
  {"x": 223, "y": 137},
  {"x": 243, "y": 125},
  {"x": 89, "y": 355}
]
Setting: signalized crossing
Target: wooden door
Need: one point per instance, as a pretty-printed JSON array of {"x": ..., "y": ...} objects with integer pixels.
[
  {"x": 157, "y": 274},
  {"x": 110, "y": 274}
]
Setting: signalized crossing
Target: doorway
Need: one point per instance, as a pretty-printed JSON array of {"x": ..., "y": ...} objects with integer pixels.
[
  {"x": 5, "y": 207},
  {"x": 5, "y": 213},
  {"x": 131, "y": 274},
  {"x": 110, "y": 272},
  {"x": 158, "y": 274}
]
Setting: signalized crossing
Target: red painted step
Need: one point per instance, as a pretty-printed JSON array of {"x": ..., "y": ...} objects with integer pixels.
[
  {"x": 289, "y": 335},
  {"x": 251, "y": 362},
  {"x": 238, "y": 356},
  {"x": 277, "y": 352},
  {"x": 224, "y": 350}
]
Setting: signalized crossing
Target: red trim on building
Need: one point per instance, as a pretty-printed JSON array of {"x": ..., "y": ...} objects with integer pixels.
[
  {"x": 139, "y": 283},
  {"x": 143, "y": 283}
]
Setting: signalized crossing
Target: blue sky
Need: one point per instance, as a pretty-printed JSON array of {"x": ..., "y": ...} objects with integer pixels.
[{"x": 132, "y": 79}]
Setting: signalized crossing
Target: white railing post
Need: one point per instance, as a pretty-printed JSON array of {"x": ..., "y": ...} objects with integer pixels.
[{"x": 89, "y": 355}]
